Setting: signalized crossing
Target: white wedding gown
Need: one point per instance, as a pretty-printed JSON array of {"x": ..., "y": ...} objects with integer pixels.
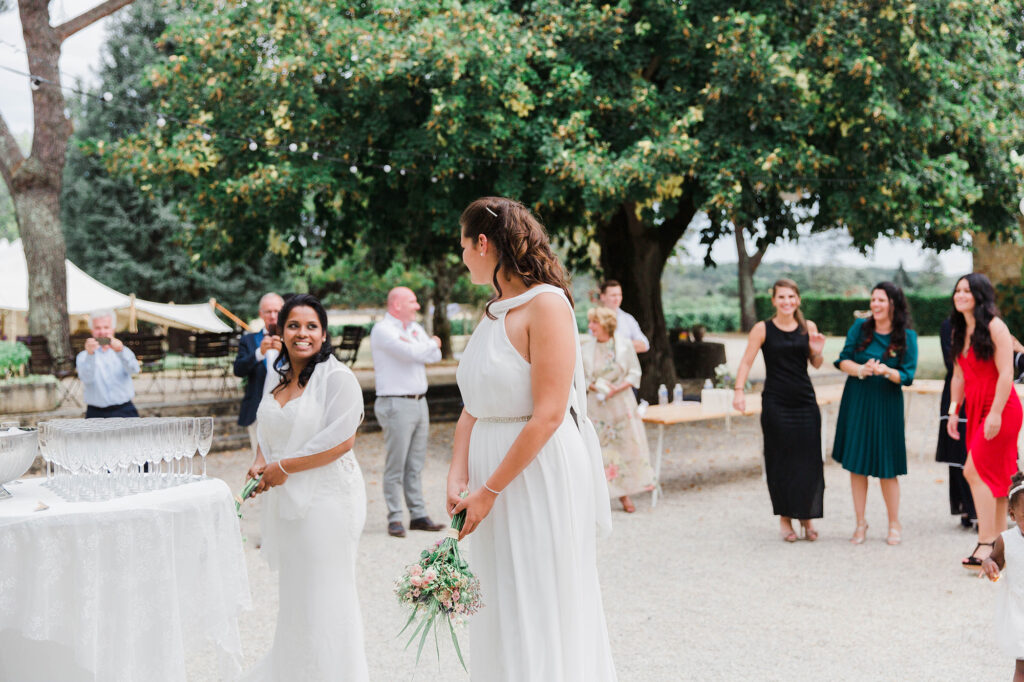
[
  {"x": 311, "y": 527},
  {"x": 535, "y": 552}
]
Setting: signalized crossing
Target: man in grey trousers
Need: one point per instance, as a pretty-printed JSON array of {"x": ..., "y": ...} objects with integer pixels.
[{"x": 401, "y": 349}]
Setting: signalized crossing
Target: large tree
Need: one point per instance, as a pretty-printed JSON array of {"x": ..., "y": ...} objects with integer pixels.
[
  {"x": 892, "y": 119},
  {"x": 131, "y": 240},
  {"x": 617, "y": 123},
  {"x": 34, "y": 181}
]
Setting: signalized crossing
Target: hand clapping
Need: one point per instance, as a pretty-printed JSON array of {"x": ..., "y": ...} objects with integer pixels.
[{"x": 817, "y": 343}]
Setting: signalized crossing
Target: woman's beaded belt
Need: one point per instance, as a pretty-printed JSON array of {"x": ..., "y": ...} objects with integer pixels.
[{"x": 505, "y": 420}]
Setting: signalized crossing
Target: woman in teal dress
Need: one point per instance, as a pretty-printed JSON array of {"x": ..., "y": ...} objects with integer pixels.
[{"x": 880, "y": 356}]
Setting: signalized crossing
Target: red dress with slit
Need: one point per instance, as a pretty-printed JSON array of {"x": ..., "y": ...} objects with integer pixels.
[{"x": 996, "y": 459}]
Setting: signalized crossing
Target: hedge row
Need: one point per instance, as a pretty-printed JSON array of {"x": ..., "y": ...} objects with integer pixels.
[
  {"x": 1010, "y": 299},
  {"x": 834, "y": 315},
  {"x": 460, "y": 327}
]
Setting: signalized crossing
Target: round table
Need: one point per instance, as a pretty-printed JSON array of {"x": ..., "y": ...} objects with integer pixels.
[{"x": 120, "y": 589}]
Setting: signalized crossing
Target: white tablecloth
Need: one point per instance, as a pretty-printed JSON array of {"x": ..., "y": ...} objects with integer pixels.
[{"x": 128, "y": 586}]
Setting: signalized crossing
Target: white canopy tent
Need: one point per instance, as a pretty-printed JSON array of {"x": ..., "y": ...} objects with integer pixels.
[{"x": 86, "y": 295}]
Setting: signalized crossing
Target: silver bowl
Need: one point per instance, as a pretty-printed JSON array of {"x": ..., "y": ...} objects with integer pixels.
[{"x": 17, "y": 452}]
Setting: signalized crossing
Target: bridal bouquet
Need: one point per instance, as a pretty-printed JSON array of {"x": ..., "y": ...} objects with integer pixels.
[
  {"x": 439, "y": 586},
  {"x": 246, "y": 493}
]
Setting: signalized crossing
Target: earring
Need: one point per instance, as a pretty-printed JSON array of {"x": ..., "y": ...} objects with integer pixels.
[{"x": 481, "y": 253}]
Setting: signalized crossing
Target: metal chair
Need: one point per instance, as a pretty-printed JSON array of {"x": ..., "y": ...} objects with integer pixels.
[
  {"x": 41, "y": 362},
  {"x": 151, "y": 352},
  {"x": 348, "y": 348}
]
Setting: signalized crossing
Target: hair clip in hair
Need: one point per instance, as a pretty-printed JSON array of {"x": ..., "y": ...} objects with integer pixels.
[{"x": 488, "y": 209}]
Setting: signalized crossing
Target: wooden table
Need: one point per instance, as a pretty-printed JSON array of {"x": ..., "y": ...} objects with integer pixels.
[
  {"x": 828, "y": 394},
  {"x": 690, "y": 412}
]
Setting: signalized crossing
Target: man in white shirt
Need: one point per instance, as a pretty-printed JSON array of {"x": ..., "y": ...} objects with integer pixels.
[
  {"x": 401, "y": 349},
  {"x": 105, "y": 368},
  {"x": 611, "y": 297}
]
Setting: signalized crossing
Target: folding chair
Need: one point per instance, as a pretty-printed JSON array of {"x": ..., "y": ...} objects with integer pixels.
[{"x": 348, "y": 348}]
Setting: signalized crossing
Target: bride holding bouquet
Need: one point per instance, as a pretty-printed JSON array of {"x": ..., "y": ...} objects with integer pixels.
[
  {"x": 530, "y": 460},
  {"x": 315, "y": 503}
]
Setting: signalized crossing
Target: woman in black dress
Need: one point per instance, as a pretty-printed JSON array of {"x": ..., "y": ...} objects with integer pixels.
[
  {"x": 790, "y": 418},
  {"x": 949, "y": 451}
]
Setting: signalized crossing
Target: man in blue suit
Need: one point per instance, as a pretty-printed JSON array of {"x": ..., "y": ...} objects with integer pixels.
[{"x": 251, "y": 363}]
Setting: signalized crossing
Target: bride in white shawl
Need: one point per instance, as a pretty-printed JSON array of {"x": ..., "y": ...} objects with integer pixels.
[{"x": 315, "y": 506}]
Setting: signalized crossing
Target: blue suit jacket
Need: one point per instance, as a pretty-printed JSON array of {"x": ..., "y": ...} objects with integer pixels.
[{"x": 255, "y": 373}]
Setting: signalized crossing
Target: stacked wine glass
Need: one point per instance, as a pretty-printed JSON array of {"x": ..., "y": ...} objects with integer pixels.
[{"x": 98, "y": 459}]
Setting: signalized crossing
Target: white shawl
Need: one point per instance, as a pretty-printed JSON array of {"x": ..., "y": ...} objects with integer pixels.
[{"x": 332, "y": 409}]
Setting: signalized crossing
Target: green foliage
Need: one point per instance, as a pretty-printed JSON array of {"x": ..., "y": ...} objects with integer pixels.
[
  {"x": 8, "y": 221},
  {"x": 877, "y": 116},
  {"x": 1010, "y": 299},
  {"x": 132, "y": 240},
  {"x": 834, "y": 315},
  {"x": 13, "y": 357},
  {"x": 354, "y": 282}
]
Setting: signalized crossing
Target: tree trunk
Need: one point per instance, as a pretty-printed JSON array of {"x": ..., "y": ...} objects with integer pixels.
[
  {"x": 635, "y": 254},
  {"x": 38, "y": 213},
  {"x": 36, "y": 184},
  {"x": 746, "y": 266},
  {"x": 444, "y": 276}
]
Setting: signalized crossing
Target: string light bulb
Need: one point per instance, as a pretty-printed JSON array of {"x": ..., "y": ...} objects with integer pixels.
[
  {"x": 387, "y": 168},
  {"x": 35, "y": 82},
  {"x": 353, "y": 168},
  {"x": 161, "y": 122},
  {"x": 293, "y": 147},
  {"x": 316, "y": 156},
  {"x": 253, "y": 146},
  {"x": 108, "y": 96}
]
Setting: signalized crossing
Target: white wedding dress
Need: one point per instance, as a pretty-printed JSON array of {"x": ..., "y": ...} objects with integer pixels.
[
  {"x": 535, "y": 552},
  {"x": 310, "y": 532}
]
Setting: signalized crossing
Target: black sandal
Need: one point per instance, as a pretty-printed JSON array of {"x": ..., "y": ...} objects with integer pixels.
[{"x": 973, "y": 563}]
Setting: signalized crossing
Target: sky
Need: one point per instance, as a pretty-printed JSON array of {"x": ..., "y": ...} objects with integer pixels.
[{"x": 80, "y": 59}]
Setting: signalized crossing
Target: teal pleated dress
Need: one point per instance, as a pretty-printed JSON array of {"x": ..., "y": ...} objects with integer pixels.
[{"x": 870, "y": 433}]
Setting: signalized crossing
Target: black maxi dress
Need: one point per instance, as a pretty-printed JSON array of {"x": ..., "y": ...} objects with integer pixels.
[
  {"x": 947, "y": 450},
  {"x": 791, "y": 422}
]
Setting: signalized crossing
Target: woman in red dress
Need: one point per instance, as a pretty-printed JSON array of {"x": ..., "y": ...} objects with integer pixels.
[{"x": 983, "y": 380}]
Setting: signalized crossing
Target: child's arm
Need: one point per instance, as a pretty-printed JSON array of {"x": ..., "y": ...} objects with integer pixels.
[{"x": 995, "y": 561}]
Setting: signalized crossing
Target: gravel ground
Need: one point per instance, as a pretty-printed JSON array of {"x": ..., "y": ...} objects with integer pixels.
[{"x": 691, "y": 585}]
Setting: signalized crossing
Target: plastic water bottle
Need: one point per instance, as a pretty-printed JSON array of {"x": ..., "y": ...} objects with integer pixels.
[
  {"x": 708, "y": 384},
  {"x": 662, "y": 395},
  {"x": 641, "y": 409},
  {"x": 677, "y": 393}
]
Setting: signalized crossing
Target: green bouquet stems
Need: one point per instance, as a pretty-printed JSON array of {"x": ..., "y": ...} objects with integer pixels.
[{"x": 250, "y": 485}]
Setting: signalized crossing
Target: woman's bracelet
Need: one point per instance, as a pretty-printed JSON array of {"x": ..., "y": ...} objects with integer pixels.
[
  {"x": 952, "y": 410},
  {"x": 491, "y": 490},
  {"x": 860, "y": 371},
  {"x": 280, "y": 465},
  {"x": 737, "y": 388}
]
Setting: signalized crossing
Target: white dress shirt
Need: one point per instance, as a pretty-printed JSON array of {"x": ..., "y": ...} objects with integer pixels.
[
  {"x": 399, "y": 355},
  {"x": 630, "y": 328},
  {"x": 106, "y": 376}
]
